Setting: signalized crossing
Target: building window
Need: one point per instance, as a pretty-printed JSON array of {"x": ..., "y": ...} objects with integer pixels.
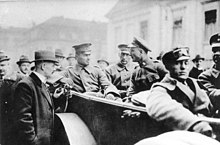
[
  {"x": 210, "y": 23},
  {"x": 178, "y": 35},
  {"x": 144, "y": 30}
]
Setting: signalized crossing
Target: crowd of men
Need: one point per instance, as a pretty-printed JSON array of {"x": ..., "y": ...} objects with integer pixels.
[{"x": 178, "y": 95}]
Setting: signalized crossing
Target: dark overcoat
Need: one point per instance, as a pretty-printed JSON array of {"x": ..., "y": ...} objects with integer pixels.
[{"x": 34, "y": 112}]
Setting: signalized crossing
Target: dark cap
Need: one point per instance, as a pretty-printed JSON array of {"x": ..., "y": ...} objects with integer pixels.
[
  {"x": 198, "y": 57},
  {"x": 141, "y": 43},
  {"x": 124, "y": 48},
  {"x": 3, "y": 56},
  {"x": 177, "y": 54},
  {"x": 71, "y": 55},
  {"x": 85, "y": 47},
  {"x": 215, "y": 41},
  {"x": 102, "y": 60},
  {"x": 59, "y": 53},
  {"x": 23, "y": 59},
  {"x": 45, "y": 55}
]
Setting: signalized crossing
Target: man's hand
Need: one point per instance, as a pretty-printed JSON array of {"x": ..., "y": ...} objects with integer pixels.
[
  {"x": 110, "y": 97},
  {"x": 58, "y": 92}
]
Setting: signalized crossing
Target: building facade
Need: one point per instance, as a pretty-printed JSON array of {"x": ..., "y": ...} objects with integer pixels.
[{"x": 165, "y": 24}]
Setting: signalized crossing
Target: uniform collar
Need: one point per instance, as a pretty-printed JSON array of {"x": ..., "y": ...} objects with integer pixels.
[
  {"x": 121, "y": 67},
  {"x": 215, "y": 72},
  {"x": 87, "y": 68}
]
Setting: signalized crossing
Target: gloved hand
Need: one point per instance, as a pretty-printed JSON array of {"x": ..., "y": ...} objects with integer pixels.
[
  {"x": 203, "y": 128},
  {"x": 58, "y": 92},
  {"x": 110, "y": 97}
]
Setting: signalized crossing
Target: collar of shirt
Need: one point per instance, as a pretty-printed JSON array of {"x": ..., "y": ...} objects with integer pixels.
[{"x": 41, "y": 77}]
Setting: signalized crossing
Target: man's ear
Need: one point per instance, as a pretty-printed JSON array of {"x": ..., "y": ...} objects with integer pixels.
[{"x": 42, "y": 66}]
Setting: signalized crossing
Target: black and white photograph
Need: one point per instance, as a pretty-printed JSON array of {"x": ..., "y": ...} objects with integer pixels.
[{"x": 109, "y": 72}]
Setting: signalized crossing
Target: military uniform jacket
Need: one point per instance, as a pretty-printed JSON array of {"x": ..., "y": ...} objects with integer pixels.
[
  {"x": 176, "y": 104},
  {"x": 34, "y": 112},
  {"x": 143, "y": 77},
  {"x": 211, "y": 81},
  {"x": 120, "y": 75},
  {"x": 89, "y": 79}
]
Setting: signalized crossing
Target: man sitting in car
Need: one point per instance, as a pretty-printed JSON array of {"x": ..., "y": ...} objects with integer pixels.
[{"x": 177, "y": 99}]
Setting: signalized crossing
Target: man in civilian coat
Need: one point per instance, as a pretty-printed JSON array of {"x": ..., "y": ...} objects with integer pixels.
[
  {"x": 211, "y": 77},
  {"x": 150, "y": 71},
  {"x": 178, "y": 99},
  {"x": 87, "y": 78},
  {"x": 120, "y": 73},
  {"x": 34, "y": 110}
]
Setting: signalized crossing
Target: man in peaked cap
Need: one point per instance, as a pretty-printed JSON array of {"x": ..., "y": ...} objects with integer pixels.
[
  {"x": 197, "y": 68},
  {"x": 34, "y": 109},
  {"x": 71, "y": 59},
  {"x": 24, "y": 65},
  {"x": 211, "y": 77},
  {"x": 149, "y": 72},
  {"x": 87, "y": 78},
  {"x": 4, "y": 64},
  {"x": 178, "y": 99},
  {"x": 120, "y": 73}
]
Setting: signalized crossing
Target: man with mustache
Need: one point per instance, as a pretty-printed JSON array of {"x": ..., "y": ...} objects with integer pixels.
[
  {"x": 24, "y": 65},
  {"x": 120, "y": 73},
  {"x": 178, "y": 99}
]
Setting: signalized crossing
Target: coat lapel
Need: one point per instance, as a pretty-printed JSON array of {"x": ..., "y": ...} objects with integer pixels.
[{"x": 42, "y": 88}]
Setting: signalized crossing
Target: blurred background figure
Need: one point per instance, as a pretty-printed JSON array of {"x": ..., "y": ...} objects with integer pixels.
[
  {"x": 4, "y": 64},
  {"x": 197, "y": 68},
  {"x": 24, "y": 65},
  {"x": 102, "y": 63},
  {"x": 59, "y": 57},
  {"x": 71, "y": 59}
]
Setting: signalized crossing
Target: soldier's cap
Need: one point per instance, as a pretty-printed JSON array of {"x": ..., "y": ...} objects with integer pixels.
[
  {"x": 131, "y": 46},
  {"x": 124, "y": 48},
  {"x": 102, "y": 60},
  {"x": 59, "y": 53},
  {"x": 177, "y": 54},
  {"x": 141, "y": 43},
  {"x": 198, "y": 57},
  {"x": 71, "y": 55},
  {"x": 45, "y": 55},
  {"x": 85, "y": 47},
  {"x": 3, "y": 56},
  {"x": 215, "y": 41},
  {"x": 23, "y": 59}
]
